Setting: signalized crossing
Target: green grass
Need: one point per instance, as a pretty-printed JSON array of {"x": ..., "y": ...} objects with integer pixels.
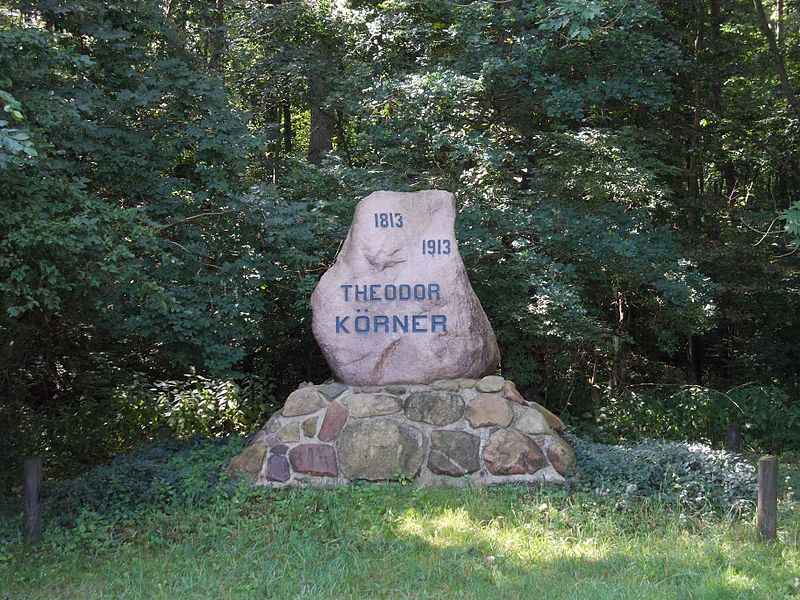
[{"x": 395, "y": 541}]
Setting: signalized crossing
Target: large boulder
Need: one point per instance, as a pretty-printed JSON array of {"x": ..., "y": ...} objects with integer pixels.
[
  {"x": 378, "y": 449},
  {"x": 397, "y": 305}
]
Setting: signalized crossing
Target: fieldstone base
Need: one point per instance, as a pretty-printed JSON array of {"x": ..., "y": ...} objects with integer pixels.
[{"x": 453, "y": 432}]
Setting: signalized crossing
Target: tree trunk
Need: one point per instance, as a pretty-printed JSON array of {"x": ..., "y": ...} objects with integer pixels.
[
  {"x": 777, "y": 57},
  {"x": 619, "y": 371},
  {"x": 320, "y": 138},
  {"x": 287, "y": 129},
  {"x": 215, "y": 36},
  {"x": 694, "y": 167}
]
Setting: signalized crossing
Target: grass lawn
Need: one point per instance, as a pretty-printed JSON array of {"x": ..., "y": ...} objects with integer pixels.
[{"x": 396, "y": 541}]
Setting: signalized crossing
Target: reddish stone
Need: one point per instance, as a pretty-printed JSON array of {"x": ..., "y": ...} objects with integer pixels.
[
  {"x": 277, "y": 468},
  {"x": 279, "y": 450},
  {"x": 561, "y": 455},
  {"x": 314, "y": 459},
  {"x": 511, "y": 392},
  {"x": 335, "y": 417},
  {"x": 509, "y": 452}
]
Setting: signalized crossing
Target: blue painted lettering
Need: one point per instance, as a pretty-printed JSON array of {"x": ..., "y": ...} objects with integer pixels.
[
  {"x": 346, "y": 287},
  {"x": 401, "y": 324},
  {"x": 380, "y": 321},
  {"x": 439, "y": 321},
  {"x": 340, "y": 325},
  {"x": 362, "y": 324},
  {"x": 415, "y": 326}
]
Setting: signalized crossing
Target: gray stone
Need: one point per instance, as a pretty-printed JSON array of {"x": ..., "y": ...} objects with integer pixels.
[
  {"x": 529, "y": 420},
  {"x": 278, "y": 468},
  {"x": 364, "y": 405},
  {"x": 290, "y": 433},
  {"x": 273, "y": 424},
  {"x": 310, "y": 427},
  {"x": 490, "y": 383},
  {"x": 454, "y": 453},
  {"x": 400, "y": 278},
  {"x": 313, "y": 459},
  {"x": 446, "y": 385},
  {"x": 561, "y": 455},
  {"x": 303, "y": 401},
  {"x": 489, "y": 410},
  {"x": 378, "y": 449},
  {"x": 332, "y": 390},
  {"x": 332, "y": 424},
  {"x": 397, "y": 390},
  {"x": 509, "y": 452},
  {"x": 466, "y": 384},
  {"x": 552, "y": 420},
  {"x": 436, "y": 408}
]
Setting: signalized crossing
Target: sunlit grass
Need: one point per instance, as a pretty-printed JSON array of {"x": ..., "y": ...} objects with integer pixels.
[{"x": 395, "y": 541}]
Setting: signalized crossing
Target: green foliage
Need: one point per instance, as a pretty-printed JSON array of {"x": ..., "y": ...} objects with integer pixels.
[
  {"x": 690, "y": 476},
  {"x": 198, "y": 405},
  {"x": 163, "y": 476},
  {"x": 768, "y": 417}
]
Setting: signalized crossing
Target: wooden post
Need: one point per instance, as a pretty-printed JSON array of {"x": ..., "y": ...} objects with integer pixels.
[
  {"x": 32, "y": 530},
  {"x": 734, "y": 441},
  {"x": 768, "y": 496}
]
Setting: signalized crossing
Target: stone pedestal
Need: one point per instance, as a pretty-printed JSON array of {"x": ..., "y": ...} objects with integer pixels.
[{"x": 453, "y": 432}]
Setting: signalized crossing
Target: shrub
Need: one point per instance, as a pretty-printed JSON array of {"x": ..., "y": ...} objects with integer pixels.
[
  {"x": 770, "y": 419},
  {"x": 691, "y": 476},
  {"x": 199, "y": 405},
  {"x": 157, "y": 476}
]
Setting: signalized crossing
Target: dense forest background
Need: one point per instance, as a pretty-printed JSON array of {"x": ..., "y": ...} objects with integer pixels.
[{"x": 175, "y": 175}]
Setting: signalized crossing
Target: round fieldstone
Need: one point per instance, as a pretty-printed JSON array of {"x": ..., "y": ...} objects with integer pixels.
[
  {"x": 382, "y": 448},
  {"x": 436, "y": 408},
  {"x": 490, "y": 383},
  {"x": 278, "y": 468},
  {"x": 396, "y": 390},
  {"x": 509, "y": 452},
  {"x": 290, "y": 433},
  {"x": 332, "y": 424},
  {"x": 274, "y": 423},
  {"x": 454, "y": 453},
  {"x": 446, "y": 385},
  {"x": 303, "y": 402},
  {"x": 466, "y": 384},
  {"x": 529, "y": 420},
  {"x": 313, "y": 459},
  {"x": 310, "y": 427},
  {"x": 248, "y": 461},
  {"x": 279, "y": 449},
  {"x": 488, "y": 410},
  {"x": 561, "y": 455},
  {"x": 332, "y": 390},
  {"x": 511, "y": 392},
  {"x": 360, "y": 406},
  {"x": 552, "y": 420}
]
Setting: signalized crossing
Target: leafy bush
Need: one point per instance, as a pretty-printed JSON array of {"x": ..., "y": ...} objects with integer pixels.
[
  {"x": 769, "y": 418},
  {"x": 690, "y": 476},
  {"x": 199, "y": 405},
  {"x": 157, "y": 476}
]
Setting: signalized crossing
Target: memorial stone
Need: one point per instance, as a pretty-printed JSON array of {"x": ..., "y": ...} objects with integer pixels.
[
  {"x": 416, "y": 394},
  {"x": 397, "y": 305}
]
